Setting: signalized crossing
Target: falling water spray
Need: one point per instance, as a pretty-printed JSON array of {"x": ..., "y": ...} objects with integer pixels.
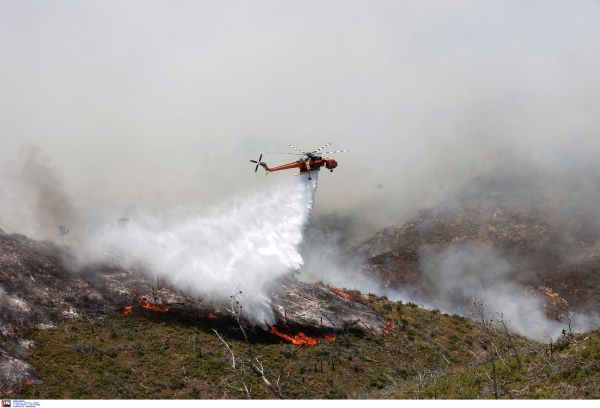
[{"x": 251, "y": 241}]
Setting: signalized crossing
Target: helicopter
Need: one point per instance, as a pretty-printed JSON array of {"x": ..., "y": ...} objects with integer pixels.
[{"x": 311, "y": 161}]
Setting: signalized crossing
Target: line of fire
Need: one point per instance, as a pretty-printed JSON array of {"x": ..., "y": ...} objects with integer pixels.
[{"x": 306, "y": 314}]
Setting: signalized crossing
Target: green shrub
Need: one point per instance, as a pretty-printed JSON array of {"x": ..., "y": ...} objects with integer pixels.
[
  {"x": 592, "y": 351},
  {"x": 402, "y": 373},
  {"x": 357, "y": 331},
  {"x": 377, "y": 381}
]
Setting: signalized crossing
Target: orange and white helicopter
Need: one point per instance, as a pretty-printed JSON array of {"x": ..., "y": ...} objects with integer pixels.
[{"x": 312, "y": 161}]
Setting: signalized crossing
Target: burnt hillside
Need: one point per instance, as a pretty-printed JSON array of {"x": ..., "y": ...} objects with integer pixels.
[{"x": 43, "y": 285}]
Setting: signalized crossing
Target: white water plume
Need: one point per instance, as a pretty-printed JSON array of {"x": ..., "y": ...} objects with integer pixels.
[{"x": 251, "y": 241}]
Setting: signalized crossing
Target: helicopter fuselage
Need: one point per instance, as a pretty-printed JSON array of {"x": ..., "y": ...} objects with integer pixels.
[{"x": 309, "y": 164}]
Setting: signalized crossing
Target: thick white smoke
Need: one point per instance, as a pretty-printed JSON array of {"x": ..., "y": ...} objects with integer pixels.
[
  {"x": 459, "y": 272},
  {"x": 252, "y": 241}
]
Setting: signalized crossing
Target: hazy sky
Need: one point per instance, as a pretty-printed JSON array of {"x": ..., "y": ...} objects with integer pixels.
[{"x": 166, "y": 102}]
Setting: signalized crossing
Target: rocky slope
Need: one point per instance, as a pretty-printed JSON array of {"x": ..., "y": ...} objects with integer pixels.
[{"x": 533, "y": 227}]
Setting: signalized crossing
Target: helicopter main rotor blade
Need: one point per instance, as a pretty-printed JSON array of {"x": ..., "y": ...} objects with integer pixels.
[
  {"x": 299, "y": 154},
  {"x": 253, "y": 161},
  {"x": 337, "y": 151},
  {"x": 256, "y": 169},
  {"x": 295, "y": 148},
  {"x": 321, "y": 148}
]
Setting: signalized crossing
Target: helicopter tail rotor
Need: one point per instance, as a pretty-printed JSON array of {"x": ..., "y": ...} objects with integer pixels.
[
  {"x": 257, "y": 162},
  {"x": 260, "y": 163}
]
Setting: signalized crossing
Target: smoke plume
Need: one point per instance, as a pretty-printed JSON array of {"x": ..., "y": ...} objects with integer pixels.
[
  {"x": 251, "y": 242},
  {"x": 34, "y": 199}
]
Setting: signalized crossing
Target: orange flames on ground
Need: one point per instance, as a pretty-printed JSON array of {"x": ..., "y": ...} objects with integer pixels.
[
  {"x": 390, "y": 327},
  {"x": 144, "y": 303},
  {"x": 158, "y": 308},
  {"x": 341, "y": 293},
  {"x": 300, "y": 339}
]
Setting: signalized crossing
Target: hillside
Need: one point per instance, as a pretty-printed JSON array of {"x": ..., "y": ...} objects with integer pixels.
[
  {"x": 74, "y": 330},
  {"x": 525, "y": 228},
  {"x": 153, "y": 354}
]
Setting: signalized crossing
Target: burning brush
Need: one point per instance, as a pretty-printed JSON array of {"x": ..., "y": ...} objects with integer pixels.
[
  {"x": 299, "y": 338},
  {"x": 340, "y": 292}
]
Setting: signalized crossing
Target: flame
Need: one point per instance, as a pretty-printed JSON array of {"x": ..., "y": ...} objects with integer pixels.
[
  {"x": 30, "y": 382},
  {"x": 158, "y": 308},
  {"x": 144, "y": 303},
  {"x": 390, "y": 325},
  {"x": 341, "y": 293},
  {"x": 300, "y": 339},
  {"x": 385, "y": 330}
]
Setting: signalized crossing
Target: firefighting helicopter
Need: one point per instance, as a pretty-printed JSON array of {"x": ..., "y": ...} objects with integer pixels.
[{"x": 311, "y": 161}]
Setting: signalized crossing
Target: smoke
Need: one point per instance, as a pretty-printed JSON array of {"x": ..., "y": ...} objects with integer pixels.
[
  {"x": 456, "y": 275},
  {"x": 463, "y": 271},
  {"x": 162, "y": 105},
  {"x": 34, "y": 200},
  {"x": 169, "y": 100},
  {"x": 251, "y": 242}
]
